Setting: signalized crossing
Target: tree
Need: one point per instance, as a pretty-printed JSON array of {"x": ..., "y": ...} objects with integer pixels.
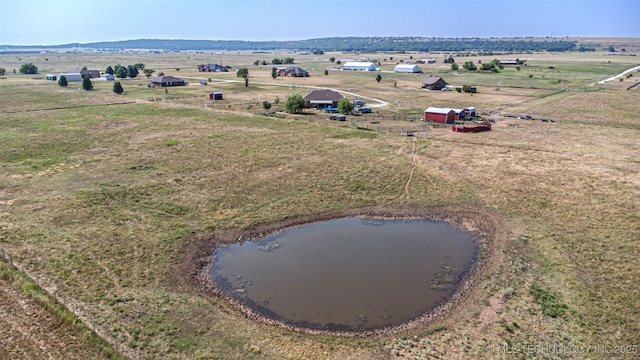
[
  {"x": 121, "y": 72},
  {"x": 117, "y": 87},
  {"x": 345, "y": 106},
  {"x": 28, "y": 69},
  {"x": 274, "y": 72},
  {"x": 149, "y": 72},
  {"x": 326, "y": 72},
  {"x": 139, "y": 66},
  {"x": 256, "y": 63},
  {"x": 332, "y": 59},
  {"x": 109, "y": 70},
  {"x": 266, "y": 105},
  {"x": 294, "y": 104},
  {"x": 611, "y": 48},
  {"x": 87, "y": 84},
  {"x": 469, "y": 65},
  {"x": 132, "y": 71},
  {"x": 62, "y": 81},
  {"x": 378, "y": 78},
  {"x": 2, "y": 71},
  {"x": 454, "y": 67},
  {"x": 244, "y": 73}
]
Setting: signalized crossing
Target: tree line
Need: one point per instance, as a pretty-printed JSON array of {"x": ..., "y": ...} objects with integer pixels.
[{"x": 347, "y": 44}]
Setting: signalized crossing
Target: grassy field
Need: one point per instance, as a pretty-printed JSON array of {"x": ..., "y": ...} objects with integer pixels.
[{"x": 101, "y": 196}]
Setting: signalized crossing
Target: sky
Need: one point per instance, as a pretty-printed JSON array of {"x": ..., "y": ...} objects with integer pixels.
[{"x": 57, "y": 22}]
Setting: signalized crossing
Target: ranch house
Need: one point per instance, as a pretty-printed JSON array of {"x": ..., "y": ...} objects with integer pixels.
[
  {"x": 434, "y": 83},
  {"x": 167, "y": 80},
  {"x": 292, "y": 71},
  {"x": 212, "y": 68},
  {"x": 320, "y": 99}
]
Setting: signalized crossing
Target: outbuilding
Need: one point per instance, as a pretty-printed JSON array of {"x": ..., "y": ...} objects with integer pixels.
[
  {"x": 439, "y": 115},
  {"x": 52, "y": 77},
  {"x": 71, "y": 77},
  {"x": 359, "y": 66},
  {"x": 107, "y": 77},
  {"x": 215, "y": 95},
  {"x": 407, "y": 68}
]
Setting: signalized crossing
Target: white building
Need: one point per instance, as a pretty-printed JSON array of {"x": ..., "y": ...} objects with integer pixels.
[
  {"x": 360, "y": 66},
  {"x": 407, "y": 68}
]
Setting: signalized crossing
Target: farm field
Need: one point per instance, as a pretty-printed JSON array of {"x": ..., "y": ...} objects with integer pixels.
[{"x": 109, "y": 203}]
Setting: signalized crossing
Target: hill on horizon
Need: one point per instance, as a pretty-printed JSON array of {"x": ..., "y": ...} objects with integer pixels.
[{"x": 345, "y": 44}]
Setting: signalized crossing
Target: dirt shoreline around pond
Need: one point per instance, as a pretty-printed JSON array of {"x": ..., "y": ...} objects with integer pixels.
[{"x": 486, "y": 227}]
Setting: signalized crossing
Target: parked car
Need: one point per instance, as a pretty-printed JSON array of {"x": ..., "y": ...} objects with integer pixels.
[
  {"x": 365, "y": 110},
  {"x": 358, "y": 102},
  {"x": 446, "y": 88},
  {"x": 338, "y": 117},
  {"x": 203, "y": 82}
]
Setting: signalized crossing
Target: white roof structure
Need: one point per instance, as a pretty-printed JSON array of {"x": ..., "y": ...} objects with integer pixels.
[
  {"x": 435, "y": 110},
  {"x": 407, "y": 68},
  {"x": 359, "y": 66}
]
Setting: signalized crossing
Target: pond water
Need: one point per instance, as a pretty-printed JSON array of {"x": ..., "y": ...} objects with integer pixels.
[{"x": 349, "y": 274}]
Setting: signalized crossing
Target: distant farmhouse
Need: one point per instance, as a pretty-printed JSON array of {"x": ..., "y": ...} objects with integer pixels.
[
  {"x": 320, "y": 99},
  {"x": 359, "y": 66},
  {"x": 434, "y": 83},
  {"x": 91, "y": 74},
  {"x": 407, "y": 68},
  {"x": 212, "y": 68},
  {"x": 292, "y": 71},
  {"x": 166, "y": 81}
]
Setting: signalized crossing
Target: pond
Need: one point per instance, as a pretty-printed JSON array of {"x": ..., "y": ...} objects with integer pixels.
[{"x": 350, "y": 274}]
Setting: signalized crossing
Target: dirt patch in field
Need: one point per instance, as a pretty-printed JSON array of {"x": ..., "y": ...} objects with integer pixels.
[{"x": 487, "y": 228}]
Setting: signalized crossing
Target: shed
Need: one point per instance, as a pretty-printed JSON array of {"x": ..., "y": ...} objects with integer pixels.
[
  {"x": 407, "y": 68},
  {"x": 320, "y": 99},
  {"x": 359, "y": 66},
  {"x": 439, "y": 115},
  {"x": 108, "y": 77},
  {"x": 215, "y": 95},
  {"x": 52, "y": 77},
  {"x": 71, "y": 77},
  {"x": 459, "y": 114},
  {"x": 434, "y": 83}
]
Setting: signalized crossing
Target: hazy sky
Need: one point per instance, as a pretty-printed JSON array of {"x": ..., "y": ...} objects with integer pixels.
[{"x": 49, "y": 22}]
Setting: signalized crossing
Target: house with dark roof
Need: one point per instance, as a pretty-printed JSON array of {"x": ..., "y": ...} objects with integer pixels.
[
  {"x": 434, "y": 83},
  {"x": 91, "y": 74},
  {"x": 167, "y": 80},
  {"x": 320, "y": 99},
  {"x": 212, "y": 68},
  {"x": 292, "y": 71}
]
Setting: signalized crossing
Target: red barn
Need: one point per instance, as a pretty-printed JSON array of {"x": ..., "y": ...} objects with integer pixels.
[{"x": 439, "y": 115}]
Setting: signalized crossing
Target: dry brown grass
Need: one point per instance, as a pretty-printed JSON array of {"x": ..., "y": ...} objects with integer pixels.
[{"x": 98, "y": 202}]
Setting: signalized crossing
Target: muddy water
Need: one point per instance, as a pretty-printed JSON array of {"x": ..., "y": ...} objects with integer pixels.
[{"x": 348, "y": 274}]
